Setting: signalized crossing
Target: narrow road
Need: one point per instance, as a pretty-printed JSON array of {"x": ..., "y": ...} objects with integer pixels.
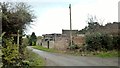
[{"x": 55, "y": 59}]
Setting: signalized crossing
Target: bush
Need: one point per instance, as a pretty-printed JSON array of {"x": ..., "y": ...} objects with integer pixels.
[
  {"x": 72, "y": 47},
  {"x": 10, "y": 54},
  {"x": 98, "y": 41},
  {"x": 116, "y": 42}
]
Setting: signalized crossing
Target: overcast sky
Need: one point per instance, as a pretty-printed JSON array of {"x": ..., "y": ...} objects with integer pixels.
[{"x": 53, "y": 15}]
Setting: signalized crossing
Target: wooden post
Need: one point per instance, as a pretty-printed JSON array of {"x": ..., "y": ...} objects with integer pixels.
[{"x": 48, "y": 43}]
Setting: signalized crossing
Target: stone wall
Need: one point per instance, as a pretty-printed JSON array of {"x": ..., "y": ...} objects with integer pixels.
[
  {"x": 45, "y": 44},
  {"x": 61, "y": 43},
  {"x": 79, "y": 40}
]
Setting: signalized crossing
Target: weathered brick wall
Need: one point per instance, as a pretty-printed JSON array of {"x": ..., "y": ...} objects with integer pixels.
[
  {"x": 39, "y": 41},
  {"x": 79, "y": 40},
  {"x": 61, "y": 43},
  {"x": 45, "y": 44}
]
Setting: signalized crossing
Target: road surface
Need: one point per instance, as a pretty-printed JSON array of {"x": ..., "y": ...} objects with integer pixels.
[{"x": 55, "y": 59}]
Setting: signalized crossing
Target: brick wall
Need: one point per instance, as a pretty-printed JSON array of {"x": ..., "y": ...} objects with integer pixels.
[
  {"x": 78, "y": 40},
  {"x": 61, "y": 43},
  {"x": 45, "y": 44}
]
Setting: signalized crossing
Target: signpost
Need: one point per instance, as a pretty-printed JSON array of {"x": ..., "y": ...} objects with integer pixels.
[{"x": 18, "y": 37}]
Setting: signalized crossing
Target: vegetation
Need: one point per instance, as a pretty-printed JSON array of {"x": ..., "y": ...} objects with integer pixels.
[
  {"x": 11, "y": 54},
  {"x": 92, "y": 25},
  {"x": 34, "y": 59},
  {"x": 102, "y": 42},
  {"x": 98, "y": 40},
  {"x": 104, "y": 54},
  {"x": 15, "y": 17},
  {"x": 44, "y": 49},
  {"x": 31, "y": 59},
  {"x": 0, "y": 59},
  {"x": 32, "y": 39},
  {"x": 108, "y": 54}
]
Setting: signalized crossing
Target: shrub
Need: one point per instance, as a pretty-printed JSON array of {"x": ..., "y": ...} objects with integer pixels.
[
  {"x": 116, "y": 42},
  {"x": 10, "y": 54},
  {"x": 106, "y": 42},
  {"x": 73, "y": 46},
  {"x": 98, "y": 41}
]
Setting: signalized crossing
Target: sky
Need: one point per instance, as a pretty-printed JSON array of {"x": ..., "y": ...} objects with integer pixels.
[{"x": 53, "y": 15}]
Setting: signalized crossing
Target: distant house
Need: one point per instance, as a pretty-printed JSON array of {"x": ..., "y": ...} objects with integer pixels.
[
  {"x": 61, "y": 41},
  {"x": 49, "y": 39}
]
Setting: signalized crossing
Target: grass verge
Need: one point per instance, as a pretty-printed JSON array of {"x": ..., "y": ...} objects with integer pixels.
[
  {"x": 34, "y": 59},
  {"x": 44, "y": 49},
  {"x": 108, "y": 54}
]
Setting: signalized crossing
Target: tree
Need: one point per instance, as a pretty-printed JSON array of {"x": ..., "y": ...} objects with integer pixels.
[
  {"x": 32, "y": 39},
  {"x": 83, "y": 31},
  {"x": 15, "y": 16},
  {"x": 92, "y": 23}
]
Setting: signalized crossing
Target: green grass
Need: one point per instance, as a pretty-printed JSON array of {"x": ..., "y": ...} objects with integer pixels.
[
  {"x": 34, "y": 59},
  {"x": 108, "y": 54},
  {"x": 68, "y": 52},
  {"x": 44, "y": 49}
]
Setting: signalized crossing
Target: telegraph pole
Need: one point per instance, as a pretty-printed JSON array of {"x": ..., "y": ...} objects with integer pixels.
[{"x": 70, "y": 25}]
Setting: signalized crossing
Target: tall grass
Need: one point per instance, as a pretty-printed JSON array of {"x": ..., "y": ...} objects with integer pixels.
[{"x": 34, "y": 59}]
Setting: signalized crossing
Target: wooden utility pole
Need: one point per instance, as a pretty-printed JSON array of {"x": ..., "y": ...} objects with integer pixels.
[{"x": 70, "y": 25}]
